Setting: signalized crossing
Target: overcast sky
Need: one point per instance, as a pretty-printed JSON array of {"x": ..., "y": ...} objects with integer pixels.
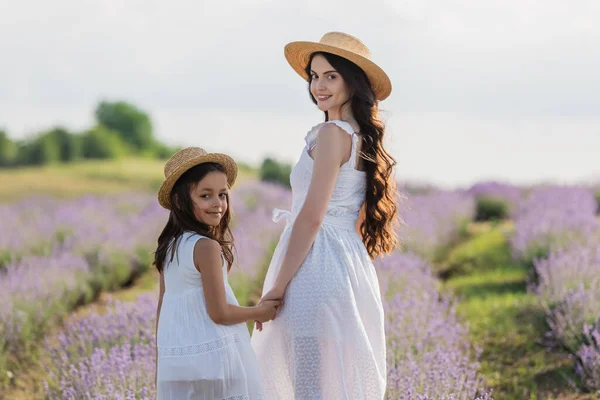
[{"x": 505, "y": 89}]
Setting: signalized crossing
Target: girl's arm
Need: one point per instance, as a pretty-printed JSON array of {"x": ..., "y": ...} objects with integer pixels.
[
  {"x": 160, "y": 299},
  {"x": 331, "y": 151},
  {"x": 207, "y": 259}
]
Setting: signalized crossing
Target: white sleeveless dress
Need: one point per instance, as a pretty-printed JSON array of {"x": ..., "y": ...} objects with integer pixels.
[
  {"x": 198, "y": 359},
  {"x": 327, "y": 341}
]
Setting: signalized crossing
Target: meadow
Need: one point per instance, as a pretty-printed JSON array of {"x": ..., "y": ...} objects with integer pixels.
[{"x": 493, "y": 293}]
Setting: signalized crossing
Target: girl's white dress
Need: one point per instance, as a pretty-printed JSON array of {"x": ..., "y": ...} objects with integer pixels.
[
  {"x": 197, "y": 358},
  {"x": 327, "y": 341}
]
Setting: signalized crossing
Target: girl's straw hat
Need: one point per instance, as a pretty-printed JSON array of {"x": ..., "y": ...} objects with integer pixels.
[
  {"x": 343, "y": 45},
  {"x": 187, "y": 158}
]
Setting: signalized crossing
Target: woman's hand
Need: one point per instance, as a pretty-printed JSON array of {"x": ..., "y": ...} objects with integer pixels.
[{"x": 275, "y": 294}]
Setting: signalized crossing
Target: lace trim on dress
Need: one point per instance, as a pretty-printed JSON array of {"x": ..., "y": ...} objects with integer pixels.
[{"x": 199, "y": 349}]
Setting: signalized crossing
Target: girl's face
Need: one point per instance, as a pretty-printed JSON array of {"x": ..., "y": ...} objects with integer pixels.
[
  {"x": 210, "y": 198},
  {"x": 327, "y": 85}
]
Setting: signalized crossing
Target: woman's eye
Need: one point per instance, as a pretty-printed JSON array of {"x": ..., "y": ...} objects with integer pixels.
[{"x": 223, "y": 195}]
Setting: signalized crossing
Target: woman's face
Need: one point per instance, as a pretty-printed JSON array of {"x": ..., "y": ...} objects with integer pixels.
[{"x": 327, "y": 85}]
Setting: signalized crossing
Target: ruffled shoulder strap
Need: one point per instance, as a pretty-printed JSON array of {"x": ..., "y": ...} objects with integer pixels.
[{"x": 311, "y": 136}]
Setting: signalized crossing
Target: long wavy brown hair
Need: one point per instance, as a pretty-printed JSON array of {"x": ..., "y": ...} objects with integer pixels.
[
  {"x": 379, "y": 229},
  {"x": 182, "y": 218}
]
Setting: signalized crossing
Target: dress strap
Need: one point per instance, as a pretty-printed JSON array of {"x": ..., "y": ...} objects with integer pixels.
[
  {"x": 348, "y": 128},
  {"x": 342, "y": 124},
  {"x": 311, "y": 138}
]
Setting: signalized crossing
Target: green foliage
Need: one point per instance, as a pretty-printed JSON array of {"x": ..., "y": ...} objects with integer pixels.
[
  {"x": 69, "y": 145},
  {"x": 598, "y": 201},
  {"x": 121, "y": 129},
  {"x": 132, "y": 125},
  {"x": 8, "y": 150},
  {"x": 40, "y": 150},
  {"x": 55, "y": 145},
  {"x": 491, "y": 209},
  {"x": 273, "y": 171},
  {"x": 101, "y": 143}
]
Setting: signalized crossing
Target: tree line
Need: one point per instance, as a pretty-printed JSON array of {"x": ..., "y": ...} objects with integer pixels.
[{"x": 120, "y": 129}]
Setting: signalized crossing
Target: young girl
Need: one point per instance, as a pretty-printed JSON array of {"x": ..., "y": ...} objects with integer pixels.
[{"x": 203, "y": 344}]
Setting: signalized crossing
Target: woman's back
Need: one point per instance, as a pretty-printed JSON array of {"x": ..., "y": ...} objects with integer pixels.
[{"x": 327, "y": 341}]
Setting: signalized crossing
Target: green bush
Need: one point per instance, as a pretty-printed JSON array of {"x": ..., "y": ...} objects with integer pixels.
[
  {"x": 491, "y": 209},
  {"x": 55, "y": 145},
  {"x": 69, "y": 145},
  {"x": 276, "y": 172},
  {"x": 8, "y": 150},
  {"x": 131, "y": 124},
  {"x": 598, "y": 201},
  {"x": 121, "y": 129},
  {"x": 40, "y": 150},
  {"x": 102, "y": 143}
]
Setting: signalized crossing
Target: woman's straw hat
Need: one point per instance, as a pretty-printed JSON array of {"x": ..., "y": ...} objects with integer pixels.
[
  {"x": 343, "y": 45},
  {"x": 187, "y": 158}
]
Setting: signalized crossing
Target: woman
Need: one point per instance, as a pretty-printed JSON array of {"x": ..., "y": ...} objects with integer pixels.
[{"x": 327, "y": 341}]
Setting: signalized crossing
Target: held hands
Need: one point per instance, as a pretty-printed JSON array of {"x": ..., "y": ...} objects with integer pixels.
[
  {"x": 272, "y": 300},
  {"x": 268, "y": 310}
]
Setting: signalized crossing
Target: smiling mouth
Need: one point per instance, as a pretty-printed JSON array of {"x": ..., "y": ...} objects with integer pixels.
[{"x": 323, "y": 98}]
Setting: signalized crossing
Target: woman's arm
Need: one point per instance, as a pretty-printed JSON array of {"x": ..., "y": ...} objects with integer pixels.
[
  {"x": 331, "y": 151},
  {"x": 208, "y": 261}
]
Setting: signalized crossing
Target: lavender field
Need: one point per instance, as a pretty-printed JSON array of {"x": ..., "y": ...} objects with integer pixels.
[{"x": 476, "y": 307}]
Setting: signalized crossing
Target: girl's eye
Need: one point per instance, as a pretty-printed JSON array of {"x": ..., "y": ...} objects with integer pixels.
[
  {"x": 331, "y": 77},
  {"x": 205, "y": 196},
  {"x": 223, "y": 195},
  {"x": 314, "y": 77}
]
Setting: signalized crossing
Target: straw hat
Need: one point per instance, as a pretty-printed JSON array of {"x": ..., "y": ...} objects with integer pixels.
[
  {"x": 343, "y": 45},
  {"x": 187, "y": 158}
]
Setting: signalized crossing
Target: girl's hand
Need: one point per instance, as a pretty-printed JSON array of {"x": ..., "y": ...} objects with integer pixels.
[
  {"x": 267, "y": 310},
  {"x": 276, "y": 293}
]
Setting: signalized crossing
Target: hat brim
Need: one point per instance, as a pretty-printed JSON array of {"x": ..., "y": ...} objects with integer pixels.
[
  {"x": 164, "y": 193},
  {"x": 298, "y": 55}
]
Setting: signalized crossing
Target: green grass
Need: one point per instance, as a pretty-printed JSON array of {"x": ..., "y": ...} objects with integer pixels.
[
  {"x": 485, "y": 249},
  {"x": 87, "y": 177},
  {"x": 507, "y": 323}
]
